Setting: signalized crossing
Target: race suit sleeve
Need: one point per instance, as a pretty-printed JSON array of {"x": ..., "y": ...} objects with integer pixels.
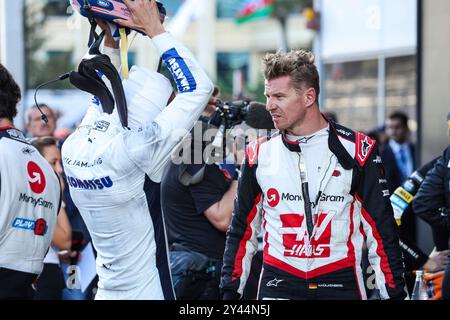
[
  {"x": 150, "y": 147},
  {"x": 380, "y": 228},
  {"x": 413, "y": 256},
  {"x": 242, "y": 243},
  {"x": 431, "y": 195}
]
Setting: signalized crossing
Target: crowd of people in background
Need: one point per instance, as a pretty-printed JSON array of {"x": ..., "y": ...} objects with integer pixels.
[{"x": 214, "y": 215}]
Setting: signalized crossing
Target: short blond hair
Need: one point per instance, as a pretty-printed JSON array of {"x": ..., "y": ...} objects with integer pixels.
[{"x": 298, "y": 64}]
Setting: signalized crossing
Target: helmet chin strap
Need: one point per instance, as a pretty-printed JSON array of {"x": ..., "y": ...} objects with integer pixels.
[
  {"x": 94, "y": 65},
  {"x": 124, "y": 52},
  {"x": 88, "y": 79},
  {"x": 95, "y": 43},
  {"x": 93, "y": 36}
]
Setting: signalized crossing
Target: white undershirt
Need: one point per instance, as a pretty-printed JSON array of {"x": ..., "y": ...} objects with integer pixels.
[
  {"x": 314, "y": 148},
  {"x": 52, "y": 255}
]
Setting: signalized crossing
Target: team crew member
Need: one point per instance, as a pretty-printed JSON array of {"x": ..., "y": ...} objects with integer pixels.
[
  {"x": 433, "y": 194},
  {"x": 30, "y": 196},
  {"x": 50, "y": 283},
  {"x": 117, "y": 191},
  {"x": 197, "y": 216},
  {"x": 316, "y": 188},
  {"x": 413, "y": 256}
]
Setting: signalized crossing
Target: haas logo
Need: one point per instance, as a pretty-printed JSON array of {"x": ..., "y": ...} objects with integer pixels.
[
  {"x": 296, "y": 241},
  {"x": 36, "y": 178},
  {"x": 273, "y": 197}
]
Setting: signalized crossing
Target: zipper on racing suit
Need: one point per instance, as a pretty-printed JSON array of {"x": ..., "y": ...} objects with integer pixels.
[
  {"x": 306, "y": 198},
  {"x": 307, "y": 207},
  {"x": 305, "y": 193}
]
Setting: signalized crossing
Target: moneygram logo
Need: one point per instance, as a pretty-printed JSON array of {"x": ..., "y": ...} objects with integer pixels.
[
  {"x": 273, "y": 197},
  {"x": 36, "y": 177}
]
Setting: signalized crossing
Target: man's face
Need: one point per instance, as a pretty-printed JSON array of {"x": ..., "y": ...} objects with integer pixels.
[
  {"x": 396, "y": 130},
  {"x": 211, "y": 106},
  {"x": 37, "y": 127},
  {"x": 212, "y": 103},
  {"x": 286, "y": 106}
]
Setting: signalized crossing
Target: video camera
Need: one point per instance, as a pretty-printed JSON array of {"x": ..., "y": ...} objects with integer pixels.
[{"x": 229, "y": 113}]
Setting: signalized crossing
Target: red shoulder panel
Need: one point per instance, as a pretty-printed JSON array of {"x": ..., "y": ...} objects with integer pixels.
[
  {"x": 252, "y": 150},
  {"x": 364, "y": 146}
]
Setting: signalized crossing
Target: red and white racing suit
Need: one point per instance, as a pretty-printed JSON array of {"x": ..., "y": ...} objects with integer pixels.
[{"x": 322, "y": 260}]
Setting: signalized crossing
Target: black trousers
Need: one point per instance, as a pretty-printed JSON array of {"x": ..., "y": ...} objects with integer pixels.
[
  {"x": 50, "y": 284},
  {"x": 195, "y": 276},
  {"x": 280, "y": 285},
  {"x": 16, "y": 285}
]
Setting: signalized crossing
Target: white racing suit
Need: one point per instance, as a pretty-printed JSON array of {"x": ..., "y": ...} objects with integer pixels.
[{"x": 113, "y": 174}]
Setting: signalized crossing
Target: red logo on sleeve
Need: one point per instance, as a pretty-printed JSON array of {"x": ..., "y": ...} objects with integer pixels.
[{"x": 36, "y": 177}]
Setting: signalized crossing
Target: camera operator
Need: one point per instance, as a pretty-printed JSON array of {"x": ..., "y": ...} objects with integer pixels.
[
  {"x": 197, "y": 217},
  {"x": 198, "y": 199}
]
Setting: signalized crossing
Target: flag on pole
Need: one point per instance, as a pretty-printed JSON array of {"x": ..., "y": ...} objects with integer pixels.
[{"x": 254, "y": 9}]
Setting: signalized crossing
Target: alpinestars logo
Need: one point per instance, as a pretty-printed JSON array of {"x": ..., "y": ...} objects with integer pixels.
[
  {"x": 273, "y": 283},
  {"x": 305, "y": 139},
  {"x": 365, "y": 146},
  {"x": 27, "y": 151},
  {"x": 295, "y": 236}
]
